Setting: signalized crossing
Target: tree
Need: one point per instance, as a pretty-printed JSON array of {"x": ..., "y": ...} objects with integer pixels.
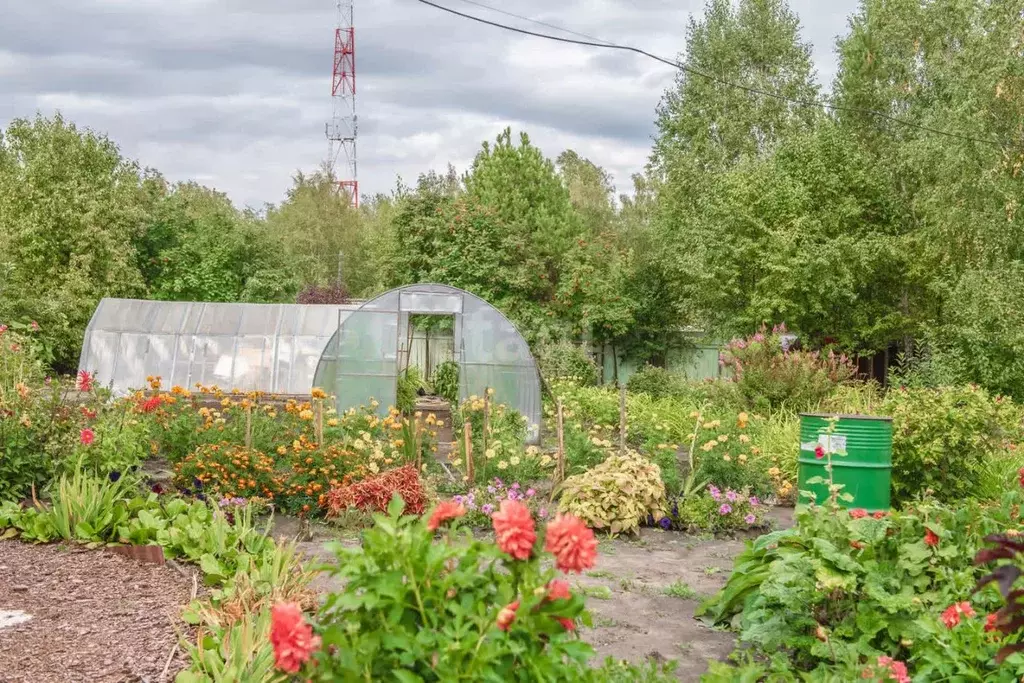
[
  {"x": 70, "y": 209},
  {"x": 590, "y": 191},
  {"x": 322, "y": 234},
  {"x": 198, "y": 247}
]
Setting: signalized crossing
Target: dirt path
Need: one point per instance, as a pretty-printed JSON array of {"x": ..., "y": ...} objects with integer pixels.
[
  {"x": 68, "y": 614},
  {"x": 642, "y": 593}
]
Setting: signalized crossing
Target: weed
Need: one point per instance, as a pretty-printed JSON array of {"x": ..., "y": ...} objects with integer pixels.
[{"x": 680, "y": 589}]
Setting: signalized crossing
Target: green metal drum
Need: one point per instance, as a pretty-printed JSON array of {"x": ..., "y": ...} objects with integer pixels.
[{"x": 861, "y": 450}]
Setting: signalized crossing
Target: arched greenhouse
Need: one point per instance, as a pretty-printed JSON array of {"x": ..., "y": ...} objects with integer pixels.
[{"x": 356, "y": 351}]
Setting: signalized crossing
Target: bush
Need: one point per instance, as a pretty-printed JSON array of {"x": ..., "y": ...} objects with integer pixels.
[
  {"x": 943, "y": 439},
  {"x": 657, "y": 383},
  {"x": 565, "y": 360},
  {"x": 374, "y": 494},
  {"x": 446, "y": 381},
  {"x": 455, "y": 609},
  {"x": 718, "y": 511},
  {"x": 407, "y": 389},
  {"x": 843, "y": 587},
  {"x": 617, "y": 495},
  {"x": 769, "y": 376}
]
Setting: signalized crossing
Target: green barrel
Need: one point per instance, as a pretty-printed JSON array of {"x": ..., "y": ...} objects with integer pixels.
[{"x": 861, "y": 447}]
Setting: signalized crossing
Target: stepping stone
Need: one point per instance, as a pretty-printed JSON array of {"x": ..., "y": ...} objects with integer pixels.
[{"x": 14, "y": 617}]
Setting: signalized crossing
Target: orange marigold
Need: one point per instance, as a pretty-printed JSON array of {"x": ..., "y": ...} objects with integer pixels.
[
  {"x": 445, "y": 510},
  {"x": 291, "y": 637},
  {"x": 514, "y": 530},
  {"x": 572, "y": 544}
]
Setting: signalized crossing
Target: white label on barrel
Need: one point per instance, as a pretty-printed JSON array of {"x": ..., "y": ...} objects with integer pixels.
[{"x": 833, "y": 443}]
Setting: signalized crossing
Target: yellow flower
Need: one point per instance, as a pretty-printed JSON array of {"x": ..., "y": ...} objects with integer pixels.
[
  {"x": 726, "y": 458},
  {"x": 374, "y": 403},
  {"x": 774, "y": 472},
  {"x": 709, "y": 445},
  {"x": 755, "y": 450},
  {"x": 306, "y": 414},
  {"x": 318, "y": 393},
  {"x": 744, "y": 438},
  {"x": 502, "y": 465},
  {"x": 695, "y": 413},
  {"x": 490, "y": 391},
  {"x": 741, "y": 420},
  {"x": 26, "y": 421},
  {"x": 440, "y": 423},
  {"x": 373, "y": 467},
  {"x": 282, "y": 450},
  {"x": 333, "y": 422},
  {"x": 722, "y": 438},
  {"x": 489, "y": 453},
  {"x": 398, "y": 443},
  {"x": 545, "y": 460},
  {"x": 743, "y": 457},
  {"x": 514, "y": 460},
  {"x": 296, "y": 445}
]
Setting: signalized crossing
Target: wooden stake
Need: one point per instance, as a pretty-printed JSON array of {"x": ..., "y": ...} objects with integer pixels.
[
  {"x": 416, "y": 442},
  {"x": 622, "y": 419},
  {"x": 560, "y": 468},
  {"x": 248, "y": 427},
  {"x": 487, "y": 416},
  {"x": 467, "y": 435},
  {"x": 319, "y": 422}
]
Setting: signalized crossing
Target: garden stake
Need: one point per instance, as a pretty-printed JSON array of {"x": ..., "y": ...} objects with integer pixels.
[
  {"x": 487, "y": 415},
  {"x": 248, "y": 427},
  {"x": 467, "y": 435},
  {"x": 319, "y": 421},
  {"x": 560, "y": 470},
  {"x": 622, "y": 419},
  {"x": 417, "y": 433}
]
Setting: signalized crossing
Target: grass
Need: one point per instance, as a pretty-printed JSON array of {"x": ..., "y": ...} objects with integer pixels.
[
  {"x": 711, "y": 570},
  {"x": 597, "y": 592},
  {"x": 681, "y": 590},
  {"x": 601, "y": 574}
]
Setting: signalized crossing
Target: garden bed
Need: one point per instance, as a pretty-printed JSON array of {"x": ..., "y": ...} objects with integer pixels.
[{"x": 94, "y": 616}]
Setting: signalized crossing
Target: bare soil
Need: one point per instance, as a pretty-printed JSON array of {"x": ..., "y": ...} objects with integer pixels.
[
  {"x": 642, "y": 593},
  {"x": 94, "y": 616}
]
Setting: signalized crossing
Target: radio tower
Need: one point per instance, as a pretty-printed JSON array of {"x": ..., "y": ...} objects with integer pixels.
[{"x": 342, "y": 128}]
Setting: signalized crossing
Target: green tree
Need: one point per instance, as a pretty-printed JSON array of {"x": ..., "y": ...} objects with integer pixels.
[
  {"x": 322, "y": 234},
  {"x": 70, "y": 209},
  {"x": 198, "y": 247}
]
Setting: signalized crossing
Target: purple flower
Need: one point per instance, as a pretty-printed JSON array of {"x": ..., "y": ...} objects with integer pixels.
[
  {"x": 497, "y": 482},
  {"x": 515, "y": 486},
  {"x": 754, "y": 501},
  {"x": 487, "y": 509},
  {"x": 491, "y": 489},
  {"x": 665, "y": 523},
  {"x": 725, "y": 509},
  {"x": 459, "y": 499},
  {"x": 715, "y": 493},
  {"x": 543, "y": 513},
  {"x": 512, "y": 495},
  {"x": 750, "y": 519},
  {"x": 731, "y": 496},
  {"x": 530, "y": 493}
]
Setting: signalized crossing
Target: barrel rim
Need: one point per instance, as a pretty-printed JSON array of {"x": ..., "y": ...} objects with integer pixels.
[{"x": 876, "y": 418}]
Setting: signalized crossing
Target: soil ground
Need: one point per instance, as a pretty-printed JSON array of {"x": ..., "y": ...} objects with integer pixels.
[
  {"x": 92, "y": 616},
  {"x": 642, "y": 593}
]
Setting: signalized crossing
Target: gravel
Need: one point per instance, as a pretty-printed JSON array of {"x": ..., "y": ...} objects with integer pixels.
[{"x": 94, "y": 616}]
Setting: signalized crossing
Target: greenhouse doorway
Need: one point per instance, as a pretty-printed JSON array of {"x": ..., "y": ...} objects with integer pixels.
[{"x": 427, "y": 361}]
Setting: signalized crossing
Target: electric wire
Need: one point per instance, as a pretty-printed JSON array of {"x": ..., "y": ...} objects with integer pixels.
[{"x": 697, "y": 72}]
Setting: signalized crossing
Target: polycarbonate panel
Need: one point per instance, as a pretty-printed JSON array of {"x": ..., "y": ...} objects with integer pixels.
[
  {"x": 360, "y": 362},
  {"x": 268, "y": 347}
]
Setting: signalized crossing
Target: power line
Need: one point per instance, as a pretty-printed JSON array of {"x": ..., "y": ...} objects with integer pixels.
[
  {"x": 702, "y": 74},
  {"x": 536, "y": 21}
]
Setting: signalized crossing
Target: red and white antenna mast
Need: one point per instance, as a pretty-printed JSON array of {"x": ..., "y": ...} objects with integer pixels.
[{"x": 343, "y": 126}]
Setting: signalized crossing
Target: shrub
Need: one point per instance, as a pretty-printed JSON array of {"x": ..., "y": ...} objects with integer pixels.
[
  {"x": 374, "y": 494},
  {"x": 845, "y": 585},
  {"x": 324, "y": 294},
  {"x": 617, "y": 495},
  {"x": 944, "y": 438},
  {"x": 407, "y": 388},
  {"x": 482, "y": 501},
  {"x": 564, "y": 360},
  {"x": 657, "y": 382},
  {"x": 769, "y": 375},
  {"x": 718, "y": 511},
  {"x": 446, "y": 381},
  {"x": 447, "y": 610}
]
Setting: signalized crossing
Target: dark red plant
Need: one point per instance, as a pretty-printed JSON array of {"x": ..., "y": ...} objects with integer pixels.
[
  {"x": 1009, "y": 619},
  {"x": 330, "y": 294},
  {"x": 374, "y": 494}
]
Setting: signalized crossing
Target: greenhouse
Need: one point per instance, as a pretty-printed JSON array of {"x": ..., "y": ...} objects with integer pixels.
[
  {"x": 356, "y": 352},
  {"x": 375, "y": 344},
  {"x": 267, "y": 347}
]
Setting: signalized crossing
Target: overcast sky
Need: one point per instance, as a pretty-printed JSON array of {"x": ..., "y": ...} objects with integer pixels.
[{"x": 235, "y": 93}]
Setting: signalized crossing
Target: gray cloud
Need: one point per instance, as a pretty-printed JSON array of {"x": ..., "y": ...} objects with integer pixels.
[{"x": 235, "y": 93}]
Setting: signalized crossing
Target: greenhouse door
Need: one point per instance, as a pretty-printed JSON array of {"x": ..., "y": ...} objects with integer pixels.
[{"x": 366, "y": 356}]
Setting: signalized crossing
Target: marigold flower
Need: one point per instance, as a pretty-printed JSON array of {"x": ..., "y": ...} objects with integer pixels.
[
  {"x": 445, "y": 510},
  {"x": 514, "y": 529},
  {"x": 572, "y": 544},
  {"x": 291, "y": 637},
  {"x": 858, "y": 513},
  {"x": 930, "y": 537},
  {"x": 507, "y": 615},
  {"x": 87, "y": 436}
]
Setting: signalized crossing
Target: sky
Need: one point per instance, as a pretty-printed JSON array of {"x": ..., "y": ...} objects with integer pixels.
[{"x": 235, "y": 94}]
